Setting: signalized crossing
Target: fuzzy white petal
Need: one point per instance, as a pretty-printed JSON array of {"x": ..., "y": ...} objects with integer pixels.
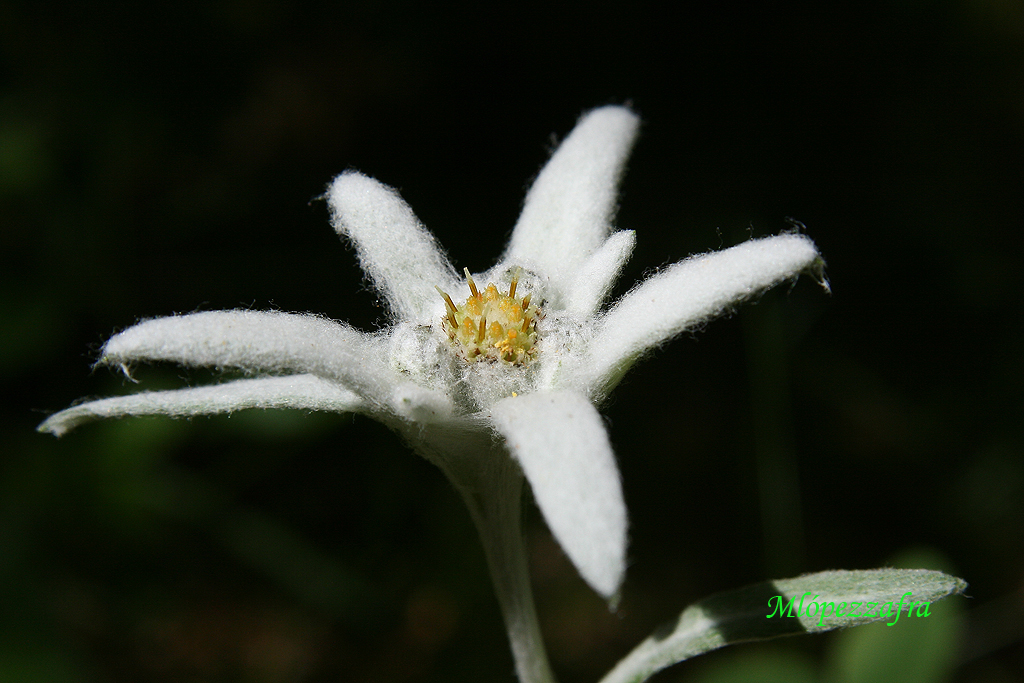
[
  {"x": 559, "y": 440},
  {"x": 687, "y": 294},
  {"x": 401, "y": 257},
  {"x": 267, "y": 342},
  {"x": 303, "y": 392},
  {"x": 569, "y": 209},
  {"x": 596, "y": 276}
]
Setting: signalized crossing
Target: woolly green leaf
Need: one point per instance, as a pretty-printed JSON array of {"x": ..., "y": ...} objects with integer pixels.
[{"x": 807, "y": 604}]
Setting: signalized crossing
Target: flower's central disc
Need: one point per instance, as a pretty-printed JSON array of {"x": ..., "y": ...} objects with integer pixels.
[{"x": 493, "y": 326}]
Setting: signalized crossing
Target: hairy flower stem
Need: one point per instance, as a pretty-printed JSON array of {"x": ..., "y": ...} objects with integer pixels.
[{"x": 493, "y": 493}]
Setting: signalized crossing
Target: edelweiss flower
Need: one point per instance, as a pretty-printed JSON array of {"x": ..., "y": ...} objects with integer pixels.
[{"x": 500, "y": 386}]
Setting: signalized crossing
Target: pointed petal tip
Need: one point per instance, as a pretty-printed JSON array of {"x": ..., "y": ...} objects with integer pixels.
[
  {"x": 595, "y": 277},
  {"x": 804, "y": 253},
  {"x": 609, "y": 585},
  {"x": 64, "y": 421},
  {"x": 612, "y": 115},
  {"x": 49, "y": 426},
  {"x": 350, "y": 183},
  {"x": 614, "y": 599},
  {"x": 355, "y": 198}
]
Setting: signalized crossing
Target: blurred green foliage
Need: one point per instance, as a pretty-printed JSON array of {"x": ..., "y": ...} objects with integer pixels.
[{"x": 167, "y": 158}]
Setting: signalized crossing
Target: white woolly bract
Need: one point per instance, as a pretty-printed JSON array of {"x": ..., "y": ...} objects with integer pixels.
[
  {"x": 302, "y": 392},
  {"x": 275, "y": 342},
  {"x": 559, "y": 440},
  {"x": 569, "y": 209},
  {"x": 395, "y": 250},
  {"x": 688, "y": 294}
]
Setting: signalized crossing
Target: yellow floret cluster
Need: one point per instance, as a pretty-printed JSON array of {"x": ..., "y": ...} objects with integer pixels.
[{"x": 493, "y": 326}]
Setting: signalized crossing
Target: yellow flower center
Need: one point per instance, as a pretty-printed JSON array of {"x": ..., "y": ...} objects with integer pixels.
[{"x": 491, "y": 325}]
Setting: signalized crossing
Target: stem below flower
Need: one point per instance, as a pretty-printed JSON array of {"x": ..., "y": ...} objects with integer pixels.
[{"x": 494, "y": 499}]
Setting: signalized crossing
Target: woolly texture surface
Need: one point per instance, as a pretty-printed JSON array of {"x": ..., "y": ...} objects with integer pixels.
[
  {"x": 301, "y": 392},
  {"x": 591, "y": 282},
  {"x": 398, "y": 254},
  {"x": 410, "y": 377},
  {"x": 273, "y": 342},
  {"x": 688, "y": 294},
  {"x": 569, "y": 209},
  {"x": 559, "y": 440}
]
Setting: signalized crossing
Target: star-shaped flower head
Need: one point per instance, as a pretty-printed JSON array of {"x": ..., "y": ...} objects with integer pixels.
[{"x": 489, "y": 375}]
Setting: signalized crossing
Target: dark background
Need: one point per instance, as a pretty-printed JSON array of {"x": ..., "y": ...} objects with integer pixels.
[{"x": 158, "y": 159}]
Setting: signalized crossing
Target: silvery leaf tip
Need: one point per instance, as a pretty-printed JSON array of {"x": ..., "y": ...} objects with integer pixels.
[{"x": 476, "y": 371}]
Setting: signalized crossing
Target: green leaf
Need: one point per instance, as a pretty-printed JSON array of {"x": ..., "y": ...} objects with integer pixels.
[{"x": 763, "y": 610}]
